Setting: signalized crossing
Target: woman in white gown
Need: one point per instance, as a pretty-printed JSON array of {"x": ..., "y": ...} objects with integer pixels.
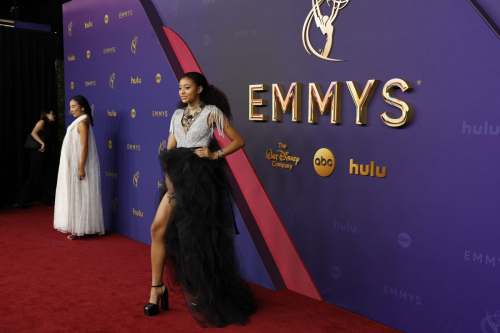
[{"x": 78, "y": 205}]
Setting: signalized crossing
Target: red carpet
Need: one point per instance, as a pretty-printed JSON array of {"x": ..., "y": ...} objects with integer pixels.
[{"x": 99, "y": 284}]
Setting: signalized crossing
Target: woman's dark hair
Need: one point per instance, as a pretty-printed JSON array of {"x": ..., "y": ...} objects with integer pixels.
[
  {"x": 43, "y": 115},
  {"x": 84, "y": 104},
  {"x": 210, "y": 95}
]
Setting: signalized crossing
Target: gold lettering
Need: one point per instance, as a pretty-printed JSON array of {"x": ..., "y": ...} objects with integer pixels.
[
  {"x": 137, "y": 80},
  {"x": 109, "y": 50},
  {"x": 295, "y": 93},
  {"x": 125, "y": 14},
  {"x": 405, "y": 107},
  {"x": 362, "y": 99},
  {"x": 253, "y": 102},
  {"x": 319, "y": 101}
]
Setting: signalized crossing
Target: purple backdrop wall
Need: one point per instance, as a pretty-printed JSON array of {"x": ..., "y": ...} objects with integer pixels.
[{"x": 416, "y": 250}]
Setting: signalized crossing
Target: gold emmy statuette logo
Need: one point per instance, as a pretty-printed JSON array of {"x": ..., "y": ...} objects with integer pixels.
[
  {"x": 163, "y": 146},
  {"x": 133, "y": 47},
  {"x": 133, "y": 113},
  {"x": 158, "y": 78},
  {"x": 325, "y": 24},
  {"x": 92, "y": 107},
  {"x": 135, "y": 181},
  {"x": 114, "y": 202},
  {"x": 112, "y": 81},
  {"x": 110, "y": 144},
  {"x": 70, "y": 26},
  {"x": 106, "y": 18},
  {"x": 72, "y": 85},
  {"x": 88, "y": 54},
  {"x": 324, "y": 162}
]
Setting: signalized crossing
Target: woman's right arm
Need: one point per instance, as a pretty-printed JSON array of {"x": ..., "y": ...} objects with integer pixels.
[
  {"x": 172, "y": 142},
  {"x": 34, "y": 134}
]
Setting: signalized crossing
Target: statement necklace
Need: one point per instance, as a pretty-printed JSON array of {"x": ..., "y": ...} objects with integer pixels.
[{"x": 190, "y": 118}]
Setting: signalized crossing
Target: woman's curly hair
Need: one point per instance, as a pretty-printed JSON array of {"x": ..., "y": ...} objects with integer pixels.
[{"x": 210, "y": 95}]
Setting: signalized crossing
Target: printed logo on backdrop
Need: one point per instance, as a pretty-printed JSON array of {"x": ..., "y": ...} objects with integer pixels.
[
  {"x": 491, "y": 323},
  {"x": 482, "y": 258},
  {"x": 207, "y": 2},
  {"x": 347, "y": 227},
  {"x": 112, "y": 113},
  {"x": 111, "y": 175},
  {"x": 90, "y": 83},
  {"x": 110, "y": 144},
  {"x": 92, "y": 108},
  {"x": 89, "y": 24},
  {"x": 136, "y": 80},
  {"x": 72, "y": 85},
  {"x": 324, "y": 162},
  {"x": 402, "y": 295},
  {"x": 162, "y": 147},
  {"x": 70, "y": 26},
  {"x": 125, "y": 14},
  {"x": 245, "y": 33},
  {"x": 112, "y": 80},
  {"x": 159, "y": 113},
  {"x": 109, "y": 50},
  {"x": 325, "y": 24},
  {"x": 106, "y": 18},
  {"x": 135, "y": 180},
  {"x": 133, "y": 147},
  {"x": 282, "y": 158},
  {"x": 175, "y": 5},
  {"x": 133, "y": 47},
  {"x": 336, "y": 272},
  {"x": 404, "y": 240},
  {"x": 114, "y": 202},
  {"x": 480, "y": 129},
  {"x": 137, "y": 212},
  {"x": 158, "y": 78},
  {"x": 88, "y": 54},
  {"x": 133, "y": 113},
  {"x": 71, "y": 58}
]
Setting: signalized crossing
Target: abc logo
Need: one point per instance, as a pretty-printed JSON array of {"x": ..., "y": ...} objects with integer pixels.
[
  {"x": 110, "y": 144},
  {"x": 133, "y": 113},
  {"x": 324, "y": 162},
  {"x": 404, "y": 239}
]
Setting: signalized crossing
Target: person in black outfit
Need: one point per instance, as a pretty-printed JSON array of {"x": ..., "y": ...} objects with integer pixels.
[{"x": 42, "y": 173}]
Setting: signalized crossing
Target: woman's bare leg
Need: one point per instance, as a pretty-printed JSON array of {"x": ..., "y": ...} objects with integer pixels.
[{"x": 158, "y": 229}]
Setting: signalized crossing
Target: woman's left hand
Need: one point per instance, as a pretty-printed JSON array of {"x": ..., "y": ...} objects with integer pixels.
[
  {"x": 204, "y": 152},
  {"x": 81, "y": 173}
]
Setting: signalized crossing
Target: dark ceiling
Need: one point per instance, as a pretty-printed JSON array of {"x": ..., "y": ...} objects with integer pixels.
[{"x": 37, "y": 11}]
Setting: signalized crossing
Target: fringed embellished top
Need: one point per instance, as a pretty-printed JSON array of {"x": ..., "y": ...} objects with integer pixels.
[{"x": 202, "y": 129}]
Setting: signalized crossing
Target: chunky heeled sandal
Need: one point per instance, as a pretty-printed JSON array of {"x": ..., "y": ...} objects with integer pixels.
[
  {"x": 152, "y": 309},
  {"x": 73, "y": 237}
]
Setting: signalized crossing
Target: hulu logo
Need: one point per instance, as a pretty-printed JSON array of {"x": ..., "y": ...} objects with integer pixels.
[
  {"x": 367, "y": 169},
  {"x": 480, "y": 129}
]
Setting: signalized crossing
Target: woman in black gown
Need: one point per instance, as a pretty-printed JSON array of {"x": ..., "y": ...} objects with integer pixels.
[
  {"x": 42, "y": 169},
  {"x": 194, "y": 225}
]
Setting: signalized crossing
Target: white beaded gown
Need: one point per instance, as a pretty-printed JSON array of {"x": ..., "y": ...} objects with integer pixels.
[{"x": 78, "y": 205}]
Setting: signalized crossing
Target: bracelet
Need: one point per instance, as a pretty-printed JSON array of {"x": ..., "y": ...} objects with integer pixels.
[
  {"x": 222, "y": 153},
  {"x": 217, "y": 152}
]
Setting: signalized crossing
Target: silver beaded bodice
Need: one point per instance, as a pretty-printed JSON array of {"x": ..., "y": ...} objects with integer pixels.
[{"x": 201, "y": 131}]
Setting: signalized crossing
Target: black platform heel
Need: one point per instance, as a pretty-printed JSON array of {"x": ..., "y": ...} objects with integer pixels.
[{"x": 152, "y": 309}]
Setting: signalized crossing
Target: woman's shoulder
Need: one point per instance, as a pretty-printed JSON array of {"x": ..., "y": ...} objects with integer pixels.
[{"x": 210, "y": 107}]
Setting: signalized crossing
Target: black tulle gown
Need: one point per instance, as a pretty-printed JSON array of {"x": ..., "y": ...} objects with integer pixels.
[{"x": 199, "y": 241}]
